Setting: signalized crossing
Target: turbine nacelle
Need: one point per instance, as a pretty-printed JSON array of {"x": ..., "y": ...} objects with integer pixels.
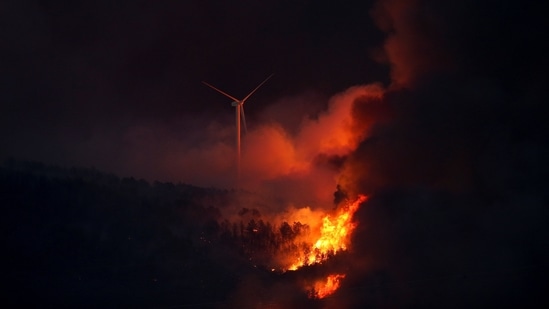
[{"x": 239, "y": 104}]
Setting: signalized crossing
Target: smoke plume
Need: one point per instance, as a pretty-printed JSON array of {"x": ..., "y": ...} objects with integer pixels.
[
  {"x": 456, "y": 173},
  {"x": 299, "y": 165}
]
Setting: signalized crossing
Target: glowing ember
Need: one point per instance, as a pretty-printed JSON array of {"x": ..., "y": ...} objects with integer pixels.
[
  {"x": 326, "y": 287},
  {"x": 335, "y": 235}
]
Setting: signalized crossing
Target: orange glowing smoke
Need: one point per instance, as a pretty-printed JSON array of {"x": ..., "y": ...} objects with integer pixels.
[
  {"x": 326, "y": 287},
  {"x": 335, "y": 235}
]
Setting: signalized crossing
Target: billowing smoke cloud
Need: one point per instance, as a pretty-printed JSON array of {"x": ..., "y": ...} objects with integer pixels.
[
  {"x": 414, "y": 36},
  {"x": 293, "y": 159},
  {"x": 300, "y": 166},
  {"x": 305, "y": 165},
  {"x": 456, "y": 175}
]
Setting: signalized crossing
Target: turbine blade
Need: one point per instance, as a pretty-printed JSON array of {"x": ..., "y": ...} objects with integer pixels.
[
  {"x": 246, "y": 98},
  {"x": 220, "y": 91},
  {"x": 243, "y": 118}
]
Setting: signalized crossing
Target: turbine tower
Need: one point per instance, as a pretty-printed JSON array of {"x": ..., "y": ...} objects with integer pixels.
[{"x": 239, "y": 105}]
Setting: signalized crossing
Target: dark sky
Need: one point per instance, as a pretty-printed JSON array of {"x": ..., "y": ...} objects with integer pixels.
[
  {"x": 117, "y": 85},
  {"x": 77, "y": 74}
]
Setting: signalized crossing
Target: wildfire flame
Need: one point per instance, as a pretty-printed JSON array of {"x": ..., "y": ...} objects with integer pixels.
[
  {"x": 335, "y": 235},
  {"x": 313, "y": 238},
  {"x": 326, "y": 287}
]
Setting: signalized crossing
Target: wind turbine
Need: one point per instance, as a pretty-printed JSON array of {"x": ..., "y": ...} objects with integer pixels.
[{"x": 239, "y": 105}]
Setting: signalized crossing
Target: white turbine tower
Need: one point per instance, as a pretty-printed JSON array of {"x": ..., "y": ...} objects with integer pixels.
[{"x": 239, "y": 105}]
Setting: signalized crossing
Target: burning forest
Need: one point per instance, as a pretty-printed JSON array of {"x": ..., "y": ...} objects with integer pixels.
[
  {"x": 290, "y": 246},
  {"x": 394, "y": 157}
]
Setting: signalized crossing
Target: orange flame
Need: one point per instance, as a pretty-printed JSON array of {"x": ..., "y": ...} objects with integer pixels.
[
  {"x": 326, "y": 287},
  {"x": 335, "y": 235}
]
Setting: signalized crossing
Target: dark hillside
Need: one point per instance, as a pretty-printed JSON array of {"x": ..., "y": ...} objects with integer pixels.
[{"x": 79, "y": 237}]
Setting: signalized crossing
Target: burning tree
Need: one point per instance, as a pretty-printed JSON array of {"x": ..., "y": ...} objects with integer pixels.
[{"x": 288, "y": 247}]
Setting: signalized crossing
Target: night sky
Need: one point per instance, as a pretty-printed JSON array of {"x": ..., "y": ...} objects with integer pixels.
[
  {"x": 118, "y": 86},
  {"x": 444, "y": 103},
  {"x": 78, "y": 77}
]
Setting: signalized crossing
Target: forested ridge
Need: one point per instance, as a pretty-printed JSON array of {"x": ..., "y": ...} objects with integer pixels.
[{"x": 81, "y": 237}]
